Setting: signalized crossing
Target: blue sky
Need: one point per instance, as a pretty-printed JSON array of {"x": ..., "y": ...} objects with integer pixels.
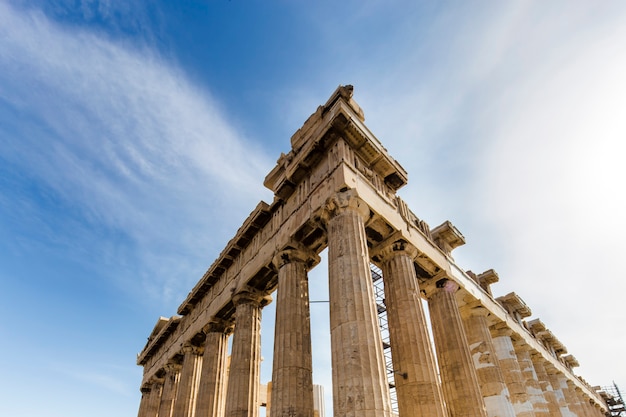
[{"x": 135, "y": 136}]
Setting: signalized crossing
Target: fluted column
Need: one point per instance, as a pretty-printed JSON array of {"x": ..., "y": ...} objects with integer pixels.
[
  {"x": 212, "y": 387},
  {"x": 460, "y": 387},
  {"x": 573, "y": 402},
  {"x": 546, "y": 386},
  {"x": 505, "y": 352},
  {"x": 292, "y": 373},
  {"x": 492, "y": 386},
  {"x": 559, "y": 386},
  {"x": 170, "y": 386},
  {"x": 360, "y": 385},
  {"x": 146, "y": 393},
  {"x": 415, "y": 372},
  {"x": 153, "y": 400},
  {"x": 584, "y": 402},
  {"x": 243, "y": 381},
  {"x": 186, "y": 393},
  {"x": 535, "y": 394}
]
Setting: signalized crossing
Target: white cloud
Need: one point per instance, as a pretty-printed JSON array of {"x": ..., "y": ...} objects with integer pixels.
[{"x": 124, "y": 137}]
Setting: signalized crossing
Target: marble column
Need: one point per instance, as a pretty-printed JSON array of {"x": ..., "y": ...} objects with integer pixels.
[
  {"x": 545, "y": 385},
  {"x": 242, "y": 399},
  {"x": 170, "y": 386},
  {"x": 146, "y": 391},
  {"x": 535, "y": 394},
  {"x": 459, "y": 381},
  {"x": 415, "y": 372},
  {"x": 583, "y": 401},
  {"x": 152, "y": 409},
  {"x": 292, "y": 373},
  {"x": 186, "y": 393},
  {"x": 360, "y": 386},
  {"x": 559, "y": 386},
  {"x": 212, "y": 387},
  {"x": 492, "y": 386},
  {"x": 573, "y": 402},
  {"x": 505, "y": 352}
]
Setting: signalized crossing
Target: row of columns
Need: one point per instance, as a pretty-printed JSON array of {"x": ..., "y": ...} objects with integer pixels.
[{"x": 483, "y": 370}]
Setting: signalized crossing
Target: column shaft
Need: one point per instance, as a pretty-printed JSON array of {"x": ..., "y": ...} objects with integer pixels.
[
  {"x": 559, "y": 386},
  {"x": 186, "y": 393},
  {"x": 292, "y": 373},
  {"x": 152, "y": 407},
  {"x": 533, "y": 390},
  {"x": 546, "y": 386},
  {"x": 243, "y": 381},
  {"x": 360, "y": 385},
  {"x": 493, "y": 388},
  {"x": 212, "y": 387},
  {"x": 145, "y": 399},
  {"x": 573, "y": 403},
  {"x": 511, "y": 372},
  {"x": 414, "y": 366},
  {"x": 170, "y": 386},
  {"x": 458, "y": 376}
]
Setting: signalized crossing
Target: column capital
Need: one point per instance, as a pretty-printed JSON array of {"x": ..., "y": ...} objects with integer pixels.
[
  {"x": 217, "y": 325},
  {"x": 346, "y": 200},
  {"x": 474, "y": 309},
  {"x": 173, "y": 366},
  {"x": 188, "y": 347},
  {"x": 501, "y": 329},
  {"x": 436, "y": 284},
  {"x": 521, "y": 345},
  {"x": 250, "y": 296},
  {"x": 393, "y": 246},
  {"x": 295, "y": 252}
]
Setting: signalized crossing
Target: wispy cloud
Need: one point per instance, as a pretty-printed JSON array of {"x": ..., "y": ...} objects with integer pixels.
[
  {"x": 511, "y": 125},
  {"x": 528, "y": 160},
  {"x": 121, "y": 135}
]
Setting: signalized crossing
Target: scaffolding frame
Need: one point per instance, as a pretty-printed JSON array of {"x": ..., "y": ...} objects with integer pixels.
[{"x": 383, "y": 323}]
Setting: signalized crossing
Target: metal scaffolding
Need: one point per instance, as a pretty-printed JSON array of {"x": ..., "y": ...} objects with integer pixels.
[
  {"x": 614, "y": 400},
  {"x": 379, "y": 295}
]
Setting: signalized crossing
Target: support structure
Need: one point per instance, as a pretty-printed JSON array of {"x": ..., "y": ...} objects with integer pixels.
[{"x": 337, "y": 189}]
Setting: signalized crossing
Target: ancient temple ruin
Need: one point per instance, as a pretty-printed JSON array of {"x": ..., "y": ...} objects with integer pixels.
[{"x": 336, "y": 189}]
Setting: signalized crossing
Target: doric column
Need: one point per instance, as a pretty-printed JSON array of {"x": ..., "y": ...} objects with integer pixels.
[
  {"x": 535, "y": 394},
  {"x": 170, "y": 385},
  {"x": 360, "y": 385},
  {"x": 492, "y": 386},
  {"x": 151, "y": 398},
  {"x": 212, "y": 387},
  {"x": 460, "y": 387},
  {"x": 146, "y": 393},
  {"x": 573, "y": 402},
  {"x": 292, "y": 373},
  {"x": 186, "y": 393},
  {"x": 503, "y": 344},
  {"x": 559, "y": 386},
  {"x": 244, "y": 379},
  {"x": 155, "y": 397},
  {"x": 583, "y": 401},
  {"x": 415, "y": 372},
  {"x": 545, "y": 385}
]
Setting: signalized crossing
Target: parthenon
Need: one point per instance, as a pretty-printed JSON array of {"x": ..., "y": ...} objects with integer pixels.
[{"x": 336, "y": 189}]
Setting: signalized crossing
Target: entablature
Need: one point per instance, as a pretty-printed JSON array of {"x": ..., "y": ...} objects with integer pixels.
[
  {"x": 259, "y": 217},
  {"x": 339, "y": 117},
  {"x": 167, "y": 327}
]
